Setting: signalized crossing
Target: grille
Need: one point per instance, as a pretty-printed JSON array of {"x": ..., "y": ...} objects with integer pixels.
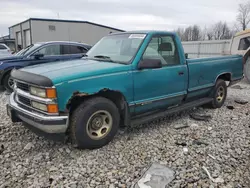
[
  {"x": 22, "y": 86},
  {"x": 24, "y": 100}
]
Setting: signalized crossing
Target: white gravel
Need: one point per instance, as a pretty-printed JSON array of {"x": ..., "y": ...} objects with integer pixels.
[{"x": 221, "y": 145}]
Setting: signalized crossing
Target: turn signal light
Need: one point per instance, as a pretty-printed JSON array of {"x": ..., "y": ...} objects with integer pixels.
[
  {"x": 52, "y": 108},
  {"x": 51, "y": 93}
]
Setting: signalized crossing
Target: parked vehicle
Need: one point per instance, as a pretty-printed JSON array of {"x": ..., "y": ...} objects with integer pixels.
[
  {"x": 238, "y": 45},
  {"x": 4, "y": 50},
  {"x": 39, "y": 53},
  {"x": 126, "y": 78}
]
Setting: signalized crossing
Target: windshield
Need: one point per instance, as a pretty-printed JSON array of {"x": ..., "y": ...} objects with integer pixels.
[
  {"x": 28, "y": 49},
  {"x": 20, "y": 52},
  {"x": 119, "y": 48}
]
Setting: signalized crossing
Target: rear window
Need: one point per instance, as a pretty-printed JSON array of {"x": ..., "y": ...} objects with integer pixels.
[
  {"x": 2, "y": 47},
  {"x": 77, "y": 50},
  {"x": 244, "y": 43},
  {"x": 71, "y": 49}
]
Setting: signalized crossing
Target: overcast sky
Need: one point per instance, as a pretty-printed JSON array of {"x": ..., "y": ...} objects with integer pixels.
[{"x": 122, "y": 14}]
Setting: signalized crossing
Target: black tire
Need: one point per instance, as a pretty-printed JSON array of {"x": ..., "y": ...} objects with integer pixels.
[
  {"x": 82, "y": 122},
  {"x": 6, "y": 82},
  {"x": 218, "y": 101}
]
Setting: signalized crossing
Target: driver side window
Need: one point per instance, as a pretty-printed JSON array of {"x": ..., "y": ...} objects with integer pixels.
[
  {"x": 163, "y": 48},
  {"x": 50, "y": 50}
]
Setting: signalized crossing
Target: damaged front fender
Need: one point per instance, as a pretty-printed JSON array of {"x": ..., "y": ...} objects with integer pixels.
[{"x": 115, "y": 96}]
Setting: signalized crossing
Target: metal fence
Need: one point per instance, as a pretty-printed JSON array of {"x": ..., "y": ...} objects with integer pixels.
[{"x": 197, "y": 49}]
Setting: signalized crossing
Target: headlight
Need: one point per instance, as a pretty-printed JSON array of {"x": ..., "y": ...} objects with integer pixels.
[
  {"x": 1, "y": 63},
  {"x": 50, "y": 108},
  {"x": 39, "y": 106},
  {"x": 44, "y": 93},
  {"x": 38, "y": 92}
]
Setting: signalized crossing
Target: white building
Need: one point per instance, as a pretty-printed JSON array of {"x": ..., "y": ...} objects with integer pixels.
[{"x": 41, "y": 30}]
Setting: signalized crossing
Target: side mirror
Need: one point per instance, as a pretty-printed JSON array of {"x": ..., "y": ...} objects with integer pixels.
[
  {"x": 150, "y": 64},
  {"x": 38, "y": 56},
  {"x": 84, "y": 54},
  {"x": 186, "y": 55}
]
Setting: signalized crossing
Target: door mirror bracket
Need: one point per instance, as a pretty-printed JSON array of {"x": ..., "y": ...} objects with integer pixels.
[{"x": 38, "y": 56}]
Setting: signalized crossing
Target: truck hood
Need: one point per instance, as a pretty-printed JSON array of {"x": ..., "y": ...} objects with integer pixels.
[{"x": 64, "y": 71}]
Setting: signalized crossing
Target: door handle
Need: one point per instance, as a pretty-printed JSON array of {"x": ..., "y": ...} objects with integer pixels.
[{"x": 180, "y": 73}]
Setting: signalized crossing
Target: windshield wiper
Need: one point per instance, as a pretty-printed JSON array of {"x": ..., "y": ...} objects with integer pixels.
[{"x": 103, "y": 57}]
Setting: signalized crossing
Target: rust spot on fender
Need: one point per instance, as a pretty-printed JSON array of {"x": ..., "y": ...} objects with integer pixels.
[
  {"x": 77, "y": 93},
  {"x": 104, "y": 89}
]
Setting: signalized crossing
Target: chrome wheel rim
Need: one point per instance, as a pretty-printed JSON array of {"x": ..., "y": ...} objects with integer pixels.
[
  {"x": 220, "y": 94},
  {"x": 99, "y": 124},
  {"x": 10, "y": 82}
]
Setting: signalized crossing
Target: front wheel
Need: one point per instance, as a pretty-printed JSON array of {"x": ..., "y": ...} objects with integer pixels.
[
  {"x": 94, "y": 123},
  {"x": 8, "y": 82},
  {"x": 219, "y": 94}
]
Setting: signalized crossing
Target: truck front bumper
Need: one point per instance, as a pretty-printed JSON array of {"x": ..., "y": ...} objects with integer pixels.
[{"x": 44, "y": 123}]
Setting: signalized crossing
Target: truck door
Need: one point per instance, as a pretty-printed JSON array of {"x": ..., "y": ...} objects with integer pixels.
[{"x": 163, "y": 87}]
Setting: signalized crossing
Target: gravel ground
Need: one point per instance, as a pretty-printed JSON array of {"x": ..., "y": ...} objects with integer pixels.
[{"x": 220, "y": 144}]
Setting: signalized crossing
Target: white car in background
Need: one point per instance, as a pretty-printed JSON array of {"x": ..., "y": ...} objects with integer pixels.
[{"x": 4, "y": 51}]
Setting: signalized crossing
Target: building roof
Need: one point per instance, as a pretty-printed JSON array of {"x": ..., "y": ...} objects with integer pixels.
[{"x": 69, "y": 21}]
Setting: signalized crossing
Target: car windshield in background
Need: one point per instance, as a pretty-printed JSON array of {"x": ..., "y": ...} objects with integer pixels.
[
  {"x": 20, "y": 53},
  {"x": 120, "y": 48},
  {"x": 28, "y": 49}
]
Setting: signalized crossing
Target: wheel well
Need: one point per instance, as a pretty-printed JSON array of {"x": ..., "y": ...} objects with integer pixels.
[
  {"x": 225, "y": 77},
  {"x": 7, "y": 72},
  {"x": 115, "y": 96}
]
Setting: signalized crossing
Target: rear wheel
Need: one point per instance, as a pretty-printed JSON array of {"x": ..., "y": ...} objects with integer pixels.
[
  {"x": 94, "y": 123},
  {"x": 219, "y": 94},
  {"x": 8, "y": 82}
]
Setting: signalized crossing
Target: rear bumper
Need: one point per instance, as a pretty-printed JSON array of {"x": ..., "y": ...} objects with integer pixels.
[{"x": 44, "y": 123}]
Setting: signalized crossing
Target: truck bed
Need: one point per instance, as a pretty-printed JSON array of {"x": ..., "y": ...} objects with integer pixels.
[{"x": 203, "y": 72}]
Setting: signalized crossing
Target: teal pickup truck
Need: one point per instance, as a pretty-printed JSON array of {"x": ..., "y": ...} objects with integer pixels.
[{"x": 125, "y": 78}]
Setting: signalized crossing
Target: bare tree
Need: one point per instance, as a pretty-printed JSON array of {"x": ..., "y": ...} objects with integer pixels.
[
  {"x": 243, "y": 16},
  {"x": 191, "y": 33},
  {"x": 218, "y": 31},
  {"x": 196, "y": 33},
  {"x": 221, "y": 31},
  {"x": 204, "y": 33},
  {"x": 180, "y": 33},
  {"x": 210, "y": 34},
  {"x": 187, "y": 35}
]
